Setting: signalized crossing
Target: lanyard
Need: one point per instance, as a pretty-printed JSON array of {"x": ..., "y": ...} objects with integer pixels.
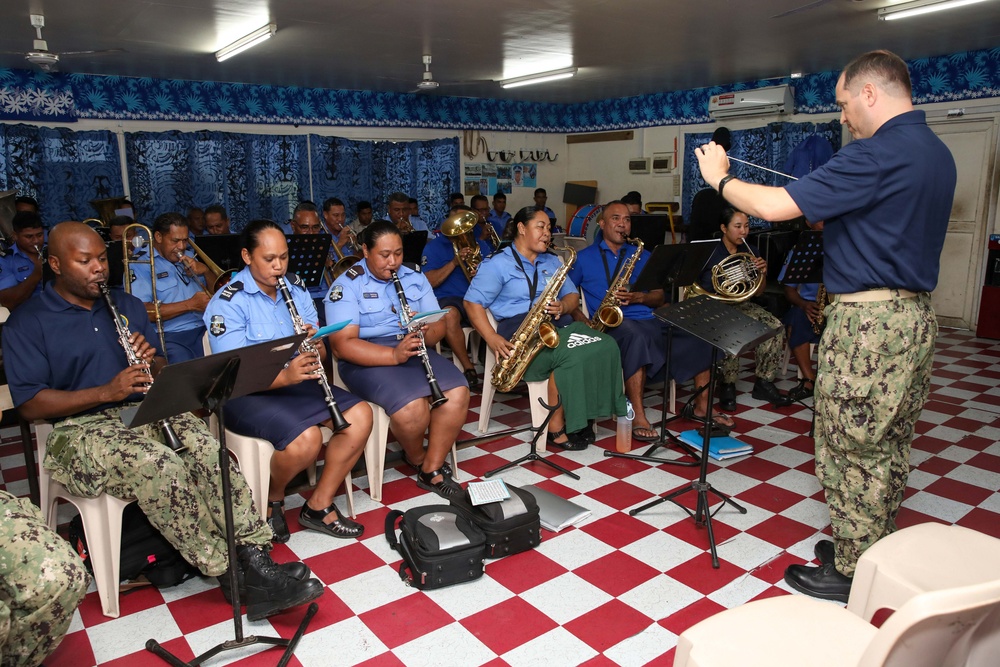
[
  {"x": 618, "y": 266},
  {"x": 532, "y": 285}
]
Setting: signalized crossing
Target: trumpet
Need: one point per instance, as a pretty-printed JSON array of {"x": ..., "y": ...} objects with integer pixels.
[
  {"x": 308, "y": 347},
  {"x": 405, "y": 316},
  {"x": 138, "y": 236},
  {"x": 124, "y": 339}
]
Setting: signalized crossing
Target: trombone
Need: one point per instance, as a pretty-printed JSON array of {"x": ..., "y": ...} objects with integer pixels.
[
  {"x": 140, "y": 236},
  {"x": 343, "y": 262},
  {"x": 222, "y": 277}
]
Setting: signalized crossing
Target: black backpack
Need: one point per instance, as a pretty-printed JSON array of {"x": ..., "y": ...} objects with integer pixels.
[
  {"x": 440, "y": 546},
  {"x": 511, "y": 526},
  {"x": 145, "y": 552}
]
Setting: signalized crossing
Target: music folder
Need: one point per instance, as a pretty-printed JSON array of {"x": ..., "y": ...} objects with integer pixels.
[{"x": 182, "y": 387}]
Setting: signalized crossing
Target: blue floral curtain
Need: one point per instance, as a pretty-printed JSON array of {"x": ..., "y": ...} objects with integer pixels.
[
  {"x": 356, "y": 171},
  {"x": 252, "y": 175},
  {"x": 60, "y": 168},
  {"x": 767, "y": 146}
]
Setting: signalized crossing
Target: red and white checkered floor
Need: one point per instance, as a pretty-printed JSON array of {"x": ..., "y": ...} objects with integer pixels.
[{"x": 613, "y": 590}]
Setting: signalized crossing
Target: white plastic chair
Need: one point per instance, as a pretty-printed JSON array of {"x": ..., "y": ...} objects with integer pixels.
[
  {"x": 920, "y": 558},
  {"x": 946, "y": 628},
  {"x": 102, "y": 524},
  {"x": 470, "y": 336},
  {"x": 536, "y": 390}
]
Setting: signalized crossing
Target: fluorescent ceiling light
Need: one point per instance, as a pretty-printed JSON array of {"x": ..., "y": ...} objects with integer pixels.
[
  {"x": 541, "y": 77},
  {"x": 921, "y": 7},
  {"x": 247, "y": 41}
]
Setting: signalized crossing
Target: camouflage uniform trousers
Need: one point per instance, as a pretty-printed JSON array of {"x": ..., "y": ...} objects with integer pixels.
[
  {"x": 181, "y": 494},
  {"x": 769, "y": 354},
  {"x": 873, "y": 378},
  {"x": 42, "y": 581}
]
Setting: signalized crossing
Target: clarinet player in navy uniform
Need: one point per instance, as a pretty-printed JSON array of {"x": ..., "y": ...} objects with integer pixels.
[
  {"x": 885, "y": 199},
  {"x": 383, "y": 363},
  {"x": 250, "y": 310}
]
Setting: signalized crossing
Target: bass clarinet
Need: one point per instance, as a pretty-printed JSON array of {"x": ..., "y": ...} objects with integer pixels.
[
  {"x": 124, "y": 336},
  {"x": 405, "y": 316},
  {"x": 308, "y": 347}
]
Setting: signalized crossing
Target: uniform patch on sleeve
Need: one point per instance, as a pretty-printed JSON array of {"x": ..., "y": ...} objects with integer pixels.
[
  {"x": 218, "y": 325},
  {"x": 355, "y": 271},
  {"x": 231, "y": 289},
  {"x": 336, "y": 294},
  {"x": 423, "y": 261}
]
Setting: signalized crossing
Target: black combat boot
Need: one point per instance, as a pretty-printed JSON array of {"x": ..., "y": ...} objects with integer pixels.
[
  {"x": 296, "y": 570},
  {"x": 269, "y": 589},
  {"x": 764, "y": 390}
]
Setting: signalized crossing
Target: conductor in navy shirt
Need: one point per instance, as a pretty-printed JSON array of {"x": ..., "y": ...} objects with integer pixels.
[{"x": 886, "y": 199}]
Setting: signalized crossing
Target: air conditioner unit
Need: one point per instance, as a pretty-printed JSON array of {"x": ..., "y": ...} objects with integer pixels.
[
  {"x": 639, "y": 165},
  {"x": 757, "y": 102}
]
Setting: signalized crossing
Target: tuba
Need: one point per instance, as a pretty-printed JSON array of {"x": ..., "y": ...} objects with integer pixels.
[
  {"x": 609, "y": 314},
  {"x": 735, "y": 279},
  {"x": 536, "y": 330},
  {"x": 134, "y": 238},
  {"x": 106, "y": 208},
  {"x": 457, "y": 227}
]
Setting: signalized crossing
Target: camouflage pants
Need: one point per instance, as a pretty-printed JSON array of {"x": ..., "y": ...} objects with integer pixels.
[
  {"x": 769, "y": 354},
  {"x": 873, "y": 379},
  {"x": 42, "y": 581},
  {"x": 181, "y": 494}
]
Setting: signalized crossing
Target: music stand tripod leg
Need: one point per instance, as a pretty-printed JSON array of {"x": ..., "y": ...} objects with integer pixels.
[{"x": 533, "y": 454}]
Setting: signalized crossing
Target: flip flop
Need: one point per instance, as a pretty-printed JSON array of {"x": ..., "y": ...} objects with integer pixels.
[
  {"x": 722, "y": 420},
  {"x": 644, "y": 438}
]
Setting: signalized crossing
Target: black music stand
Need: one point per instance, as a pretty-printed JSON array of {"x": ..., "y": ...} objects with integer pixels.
[
  {"x": 670, "y": 265},
  {"x": 210, "y": 382},
  {"x": 307, "y": 255},
  {"x": 223, "y": 249},
  {"x": 805, "y": 262},
  {"x": 533, "y": 454},
  {"x": 413, "y": 246},
  {"x": 732, "y": 332}
]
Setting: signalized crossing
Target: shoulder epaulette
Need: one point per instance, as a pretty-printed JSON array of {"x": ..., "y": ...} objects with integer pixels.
[
  {"x": 413, "y": 266},
  {"x": 231, "y": 289},
  {"x": 294, "y": 279},
  {"x": 355, "y": 271}
]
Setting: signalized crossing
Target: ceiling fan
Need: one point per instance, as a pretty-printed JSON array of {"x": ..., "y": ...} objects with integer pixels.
[
  {"x": 427, "y": 84},
  {"x": 46, "y": 60},
  {"x": 806, "y": 7}
]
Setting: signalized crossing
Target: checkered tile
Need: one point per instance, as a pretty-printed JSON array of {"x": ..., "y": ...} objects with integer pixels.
[{"x": 615, "y": 589}]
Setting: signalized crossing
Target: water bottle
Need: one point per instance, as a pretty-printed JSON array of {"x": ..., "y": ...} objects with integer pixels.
[{"x": 623, "y": 442}]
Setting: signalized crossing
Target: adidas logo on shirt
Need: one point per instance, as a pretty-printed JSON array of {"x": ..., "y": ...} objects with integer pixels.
[{"x": 578, "y": 339}]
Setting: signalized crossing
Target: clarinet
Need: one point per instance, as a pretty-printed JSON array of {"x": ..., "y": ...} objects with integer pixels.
[
  {"x": 405, "y": 316},
  {"x": 308, "y": 347},
  {"x": 124, "y": 336}
]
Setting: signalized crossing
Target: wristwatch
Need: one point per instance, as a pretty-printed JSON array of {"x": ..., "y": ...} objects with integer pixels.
[{"x": 722, "y": 183}]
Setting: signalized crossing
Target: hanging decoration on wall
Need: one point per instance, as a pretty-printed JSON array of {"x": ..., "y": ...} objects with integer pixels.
[{"x": 484, "y": 178}]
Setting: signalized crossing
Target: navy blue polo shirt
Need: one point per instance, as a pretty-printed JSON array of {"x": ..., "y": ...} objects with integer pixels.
[
  {"x": 438, "y": 252},
  {"x": 588, "y": 273},
  {"x": 886, "y": 202},
  {"x": 49, "y": 343},
  {"x": 720, "y": 253}
]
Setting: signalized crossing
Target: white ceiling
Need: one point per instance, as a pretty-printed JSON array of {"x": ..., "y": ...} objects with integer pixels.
[{"x": 622, "y": 47}]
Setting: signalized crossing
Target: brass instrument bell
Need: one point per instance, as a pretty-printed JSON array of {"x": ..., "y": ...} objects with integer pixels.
[{"x": 457, "y": 227}]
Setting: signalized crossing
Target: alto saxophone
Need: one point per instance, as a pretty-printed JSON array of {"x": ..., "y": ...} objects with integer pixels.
[
  {"x": 536, "y": 330},
  {"x": 609, "y": 313}
]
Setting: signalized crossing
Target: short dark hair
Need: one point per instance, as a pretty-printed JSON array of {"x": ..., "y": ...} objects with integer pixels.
[
  {"x": 478, "y": 198},
  {"x": 332, "y": 201},
  {"x": 250, "y": 237},
  {"x": 121, "y": 221},
  {"x": 455, "y": 208},
  {"x": 362, "y": 205},
  {"x": 541, "y": 191},
  {"x": 413, "y": 200},
  {"x": 632, "y": 197},
  {"x": 399, "y": 197},
  {"x": 499, "y": 195},
  {"x": 26, "y": 220},
  {"x": 25, "y": 199},
  {"x": 217, "y": 208},
  {"x": 377, "y": 230},
  {"x": 305, "y": 206},
  {"x": 455, "y": 195},
  {"x": 165, "y": 221},
  {"x": 889, "y": 68},
  {"x": 726, "y": 215}
]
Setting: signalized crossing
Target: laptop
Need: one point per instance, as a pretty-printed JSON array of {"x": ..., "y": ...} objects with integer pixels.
[{"x": 555, "y": 512}]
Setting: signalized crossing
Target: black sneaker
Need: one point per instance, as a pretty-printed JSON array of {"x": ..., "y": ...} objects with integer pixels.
[
  {"x": 764, "y": 390},
  {"x": 269, "y": 589}
]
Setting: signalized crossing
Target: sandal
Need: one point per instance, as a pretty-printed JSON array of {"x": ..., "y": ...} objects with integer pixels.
[
  {"x": 722, "y": 424},
  {"x": 801, "y": 391},
  {"x": 571, "y": 444},
  {"x": 341, "y": 527},
  {"x": 471, "y": 377},
  {"x": 447, "y": 488},
  {"x": 644, "y": 438},
  {"x": 276, "y": 522},
  {"x": 407, "y": 461}
]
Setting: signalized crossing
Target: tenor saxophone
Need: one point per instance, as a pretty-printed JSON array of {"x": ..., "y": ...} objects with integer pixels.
[
  {"x": 536, "y": 330},
  {"x": 609, "y": 313}
]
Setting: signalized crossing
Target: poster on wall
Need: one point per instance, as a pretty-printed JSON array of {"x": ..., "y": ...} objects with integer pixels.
[{"x": 485, "y": 178}]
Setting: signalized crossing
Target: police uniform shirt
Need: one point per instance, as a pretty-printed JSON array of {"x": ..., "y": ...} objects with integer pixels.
[
  {"x": 372, "y": 304},
  {"x": 15, "y": 268},
  {"x": 50, "y": 343},
  {"x": 241, "y": 314},
  {"x": 885, "y": 201},
  {"x": 589, "y": 273},
  {"x": 501, "y": 285},
  {"x": 499, "y": 222},
  {"x": 437, "y": 253},
  {"x": 172, "y": 285}
]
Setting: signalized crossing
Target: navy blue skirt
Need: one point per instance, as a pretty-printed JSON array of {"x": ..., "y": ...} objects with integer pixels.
[
  {"x": 183, "y": 345},
  {"x": 458, "y": 303},
  {"x": 802, "y": 331},
  {"x": 394, "y": 387},
  {"x": 281, "y": 415},
  {"x": 643, "y": 344}
]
